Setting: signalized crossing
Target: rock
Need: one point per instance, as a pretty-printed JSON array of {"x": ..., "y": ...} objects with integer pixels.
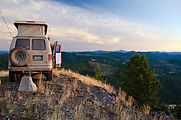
[
  {"x": 27, "y": 84},
  {"x": 101, "y": 98}
]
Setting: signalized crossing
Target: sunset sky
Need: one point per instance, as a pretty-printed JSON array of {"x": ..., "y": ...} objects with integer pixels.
[{"x": 82, "y": 25}]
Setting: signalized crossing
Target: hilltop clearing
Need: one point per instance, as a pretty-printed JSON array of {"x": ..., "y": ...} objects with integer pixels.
[{"x": 69, "y": 96}]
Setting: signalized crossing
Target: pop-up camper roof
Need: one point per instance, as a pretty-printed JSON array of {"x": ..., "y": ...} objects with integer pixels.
[{"x": 31, "y": 28}]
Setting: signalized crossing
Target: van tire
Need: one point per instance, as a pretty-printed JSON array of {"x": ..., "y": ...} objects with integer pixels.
[
  {"x": 19, "y": 56},
  {"x": 49, "y": 76},
  {"x": 12, "y": 76}
]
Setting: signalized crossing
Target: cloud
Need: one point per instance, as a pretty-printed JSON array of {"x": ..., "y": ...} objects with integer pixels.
[
  {"x": 96, "y": 30},
  {"x": 114, "y": 40}
]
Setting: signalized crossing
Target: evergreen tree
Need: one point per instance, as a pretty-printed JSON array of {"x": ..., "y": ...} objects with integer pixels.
[
  {"x": 139, "y": 81},
  {"x": 98, "y": 74}
]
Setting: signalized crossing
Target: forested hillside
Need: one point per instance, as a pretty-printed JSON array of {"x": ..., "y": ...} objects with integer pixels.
[
  {"x": 3, "y": 62},
  {"x": 167, "y": 66}
]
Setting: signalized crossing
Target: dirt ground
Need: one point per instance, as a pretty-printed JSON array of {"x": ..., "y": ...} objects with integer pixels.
[{"x": 66, "y": 98}]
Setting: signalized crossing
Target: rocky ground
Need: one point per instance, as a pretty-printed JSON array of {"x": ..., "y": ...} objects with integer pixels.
[{"x": 65, "y": 98}]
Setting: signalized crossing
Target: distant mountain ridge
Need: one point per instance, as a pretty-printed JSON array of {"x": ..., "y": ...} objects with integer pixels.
[
  {"x": 123, "y": 51},
  {"x": 3, "y": 52},
  {"x": 153, "y": 55},
  {"x": 118, "y": 51}
]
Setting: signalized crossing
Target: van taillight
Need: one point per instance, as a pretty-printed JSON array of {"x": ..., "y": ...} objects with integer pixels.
[{"x": 50, "y": 57}]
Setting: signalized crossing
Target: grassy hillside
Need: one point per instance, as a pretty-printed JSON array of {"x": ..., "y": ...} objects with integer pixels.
[
  {"x": 70, "y": 96},
  {"x": 168, "y": 68},
  {"x": 111, "y": 74}
]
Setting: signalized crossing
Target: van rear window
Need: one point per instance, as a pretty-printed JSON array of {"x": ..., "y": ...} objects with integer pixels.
[
  {"x": 25, "y": 43},
  {"x": 38, "y": 44}
]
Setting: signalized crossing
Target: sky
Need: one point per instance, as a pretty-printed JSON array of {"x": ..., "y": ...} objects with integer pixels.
[{"x": 89, "y": 25}]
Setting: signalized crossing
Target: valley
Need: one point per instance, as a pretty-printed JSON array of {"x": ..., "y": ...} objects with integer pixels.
[{"x": 167, "y": 66}]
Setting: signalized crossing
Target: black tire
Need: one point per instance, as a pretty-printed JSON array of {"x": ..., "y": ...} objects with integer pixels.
[
  {"x": 12, "y": 76},
  {"x": 49, "y": 76},
  {"x": 19, "y": 56}
]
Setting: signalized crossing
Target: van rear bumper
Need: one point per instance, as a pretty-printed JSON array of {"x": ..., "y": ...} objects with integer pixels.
[{"x": 31, "y": 68}]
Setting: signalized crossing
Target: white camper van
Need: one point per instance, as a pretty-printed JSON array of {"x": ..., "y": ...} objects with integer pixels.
[{"x": 30, "y": 51}]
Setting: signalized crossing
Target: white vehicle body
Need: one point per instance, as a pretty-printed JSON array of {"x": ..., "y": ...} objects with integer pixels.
[{"x": 30, "y": 50}]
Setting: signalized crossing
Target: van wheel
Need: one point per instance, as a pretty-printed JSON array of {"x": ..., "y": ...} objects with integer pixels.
[
  {"x": 49, "y": 76},
  {"x": 19, "y": 56},
  {"x": 12, "y": 76}
]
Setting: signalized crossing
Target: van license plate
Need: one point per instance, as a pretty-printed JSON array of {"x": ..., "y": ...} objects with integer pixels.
[{"x": 38, "y": 58}]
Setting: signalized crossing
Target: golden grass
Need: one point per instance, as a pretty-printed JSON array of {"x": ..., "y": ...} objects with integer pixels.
[
  {"x": 55, "y": 72},
  {"x": 123, "y": 97},
  {"x": 146, "y": 109},
  {"x": 41, "y": 87},
  {"x": 79, "y": 115},
  {"x": 75, "y": 85},
  {"x": 88, "y": 89},
  {"x": 87, "y": 80},
  {"x": 4, "y": 73},
  {"x": 37, "y": 76},
  {"x": 56, "y": 115},
  {"x": 65, "y": 96},
  {"x": 130, "y": 101}
]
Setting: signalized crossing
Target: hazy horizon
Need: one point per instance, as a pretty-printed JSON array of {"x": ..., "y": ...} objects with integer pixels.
[
  {"x": 83, "y": 25},
  {"x": 112, "y": 51}
]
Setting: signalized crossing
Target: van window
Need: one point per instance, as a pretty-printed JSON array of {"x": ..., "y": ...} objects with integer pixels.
[
  {"x": 38, "y": 44},
  {"x": 25, "y": 43}
]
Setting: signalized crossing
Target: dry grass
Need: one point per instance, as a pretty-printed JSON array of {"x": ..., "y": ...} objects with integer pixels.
[
  {"x": 124, "y": 115},
  {"x": 146, "y": 109},
  {"x": 121, "y": 112},
  {"x": 37, "y": 76},
  {"x": 79, "y": 115},
  {"x": 75, "y": 85},
  {"x": 4, "y": 73},
  {"x": 55, "y": 72},
  {"x": 31, "y": 108},
  {"x": 122, "y": 96},
  {"x": 125, "y": 99},
  {"x": 66, "y": 95},
  {"x": 7, "y": 95},
  {"x": 130, "y": 101},
  {"x": 41, "y": 87},
  {"x": 122, "y": 99},
  {"x": 88, "y": 89},
  {"x": 87, "y": 80},
  {"x": 5, "y": 105},
  {"x": 56, "y": 115}
]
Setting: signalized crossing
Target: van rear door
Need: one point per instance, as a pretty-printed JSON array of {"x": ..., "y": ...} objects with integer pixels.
[{"x": 39, "y": 52}]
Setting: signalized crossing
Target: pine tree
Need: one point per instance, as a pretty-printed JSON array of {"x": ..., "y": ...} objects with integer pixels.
[
  {"x": 139, "y": 81},
  {"x": 98, "y": 74}
]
